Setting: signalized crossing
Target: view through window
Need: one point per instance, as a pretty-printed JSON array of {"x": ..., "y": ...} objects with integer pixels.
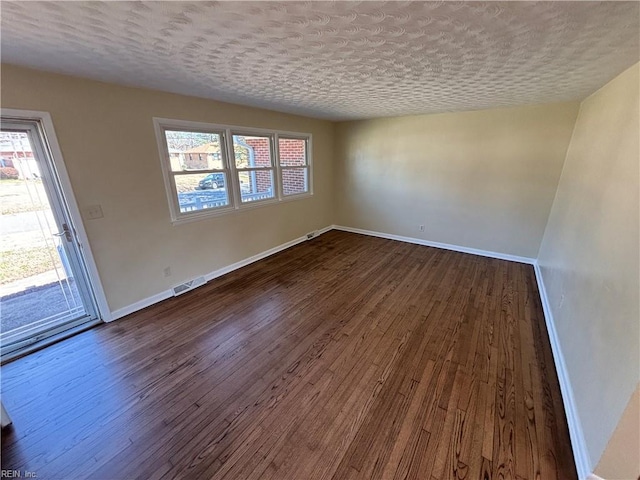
[{"x": 206, "y": 175}]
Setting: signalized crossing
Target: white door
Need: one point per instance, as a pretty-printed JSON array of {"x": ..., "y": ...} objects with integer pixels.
[{"x": 45, "y": 286}]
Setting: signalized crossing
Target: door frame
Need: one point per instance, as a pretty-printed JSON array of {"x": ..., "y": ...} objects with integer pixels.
[{"x": 44, "y": 118}]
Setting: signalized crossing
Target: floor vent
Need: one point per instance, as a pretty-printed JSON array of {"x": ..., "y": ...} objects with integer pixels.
[{"x": 190, "y": 285}]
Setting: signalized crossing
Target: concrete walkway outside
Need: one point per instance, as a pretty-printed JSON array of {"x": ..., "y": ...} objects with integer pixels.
[{"x": 44, "y": 297}]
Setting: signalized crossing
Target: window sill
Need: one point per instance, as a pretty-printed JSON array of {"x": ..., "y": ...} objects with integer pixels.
[{"x": 196, "y": 217}]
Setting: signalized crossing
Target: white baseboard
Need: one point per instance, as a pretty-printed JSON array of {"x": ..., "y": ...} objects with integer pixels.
[
  {"x": 260, "y": 256},
  {"x": 158, "y": 297},
  {"x": 446, "y": 246},
  {"x": 593, "y": 476},
  {"x": 579, "y": 447},
  {"x": 147, "y": 302},
  {"x": 139, "y": 305}
]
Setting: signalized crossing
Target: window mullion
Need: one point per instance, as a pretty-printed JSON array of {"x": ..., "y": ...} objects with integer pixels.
[
  {"x": 233, "y": 173},
  {"x": 278, "y": 172}
]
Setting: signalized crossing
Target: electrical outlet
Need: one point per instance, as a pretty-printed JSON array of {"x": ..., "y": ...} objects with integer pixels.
[
  {"x": 94, "y": 211},
  {"x": 421, "y": 228},
  {"x": 167, "y": 272}
]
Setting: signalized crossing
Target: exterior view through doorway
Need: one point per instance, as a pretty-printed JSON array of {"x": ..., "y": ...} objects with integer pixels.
[{"x": 45, "y": 286}]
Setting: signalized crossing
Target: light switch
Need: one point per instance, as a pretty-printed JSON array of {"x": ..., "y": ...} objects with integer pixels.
[{"x": 94, "y": 211}]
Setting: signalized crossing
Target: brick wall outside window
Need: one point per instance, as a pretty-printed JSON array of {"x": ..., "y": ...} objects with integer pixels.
[
  {"x": 292, "y": 153},
  {"x": 262, "y": 155},
  {"x": 293, "y": 181}
]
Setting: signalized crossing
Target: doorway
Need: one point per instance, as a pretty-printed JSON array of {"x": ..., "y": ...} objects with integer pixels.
[{"x": 45, "y": 286}]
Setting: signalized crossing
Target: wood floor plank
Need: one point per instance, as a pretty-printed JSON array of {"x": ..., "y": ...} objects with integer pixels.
[{"x": 346, "y": 357}]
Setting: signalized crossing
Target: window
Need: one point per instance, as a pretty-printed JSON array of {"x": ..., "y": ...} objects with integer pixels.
[
  {"x": 215, "y": 169},
  {"x": 198, "y": 173},
  {"x": 294, "y": 165},
  {"x": 254, "y": 167}
]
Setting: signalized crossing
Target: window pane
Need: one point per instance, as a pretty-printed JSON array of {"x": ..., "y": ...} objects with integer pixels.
[
  {"x": 295, "y": 180},
  {"x": 193, "y": 150},
  {"x": 251, "y": 152},
  {"x": 293, "y": 152},
  {"x": 201, "y": 191},
  {"x": 256, "y": 185}
]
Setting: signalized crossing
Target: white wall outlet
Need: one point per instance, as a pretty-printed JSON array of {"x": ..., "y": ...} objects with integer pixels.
[
  {"x": 167, "y": 272},
  {"x": 421, "y": 228},
  {"x": 94, "y": 211}
]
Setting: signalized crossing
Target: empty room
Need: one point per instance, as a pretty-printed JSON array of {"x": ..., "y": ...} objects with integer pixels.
[{"x": 320, "y": 240}]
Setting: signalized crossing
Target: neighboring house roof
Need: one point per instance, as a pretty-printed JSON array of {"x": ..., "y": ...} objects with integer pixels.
[{"x": 205, "y": 148}]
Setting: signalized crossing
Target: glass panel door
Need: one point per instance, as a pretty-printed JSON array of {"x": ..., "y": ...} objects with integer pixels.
[{"x": 44, "y": 286}]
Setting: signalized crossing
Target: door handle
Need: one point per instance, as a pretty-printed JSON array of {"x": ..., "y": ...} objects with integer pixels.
[{"x": 66, "y": 232}]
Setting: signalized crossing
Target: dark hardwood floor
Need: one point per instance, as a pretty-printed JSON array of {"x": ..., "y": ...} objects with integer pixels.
[{"x": 346, "y": 357}]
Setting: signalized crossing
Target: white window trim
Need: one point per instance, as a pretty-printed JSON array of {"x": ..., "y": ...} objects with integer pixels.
[
  {"x": 169, "y": 175},
  {"x": 293, "y": 136},
  {"x": 273, "y": 168},
  {"x": 234, "y": 194}
]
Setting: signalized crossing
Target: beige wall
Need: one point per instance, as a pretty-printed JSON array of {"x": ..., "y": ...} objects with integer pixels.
[
  {"x": 109, "y": 146},
  {"x": 619, "y": 461},
  {"x": 589, "y": 262},
  {"x": 483, "y": 179}
]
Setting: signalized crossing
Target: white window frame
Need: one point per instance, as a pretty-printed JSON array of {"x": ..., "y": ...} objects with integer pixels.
[
  {"x": 228, "y": 161},
  {"x": 250, "y": 133},
  {"x": 169, "y": 174},
  {"x": 307, "y": 165}
]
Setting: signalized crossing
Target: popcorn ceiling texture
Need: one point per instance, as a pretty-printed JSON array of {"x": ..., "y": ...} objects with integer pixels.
[{"x": 336, "y": 60}]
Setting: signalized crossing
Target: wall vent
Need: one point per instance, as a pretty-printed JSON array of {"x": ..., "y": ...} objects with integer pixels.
[
  {"x": 311, "y": 235},
  {"x": 186, "y": 286}
]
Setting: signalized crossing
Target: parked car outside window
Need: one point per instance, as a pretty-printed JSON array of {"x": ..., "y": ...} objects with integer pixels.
[{"x": 212, "y": 181}]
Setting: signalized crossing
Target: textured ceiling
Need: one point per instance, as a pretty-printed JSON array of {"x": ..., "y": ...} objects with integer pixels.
[{"x": 337, "y": 60}]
